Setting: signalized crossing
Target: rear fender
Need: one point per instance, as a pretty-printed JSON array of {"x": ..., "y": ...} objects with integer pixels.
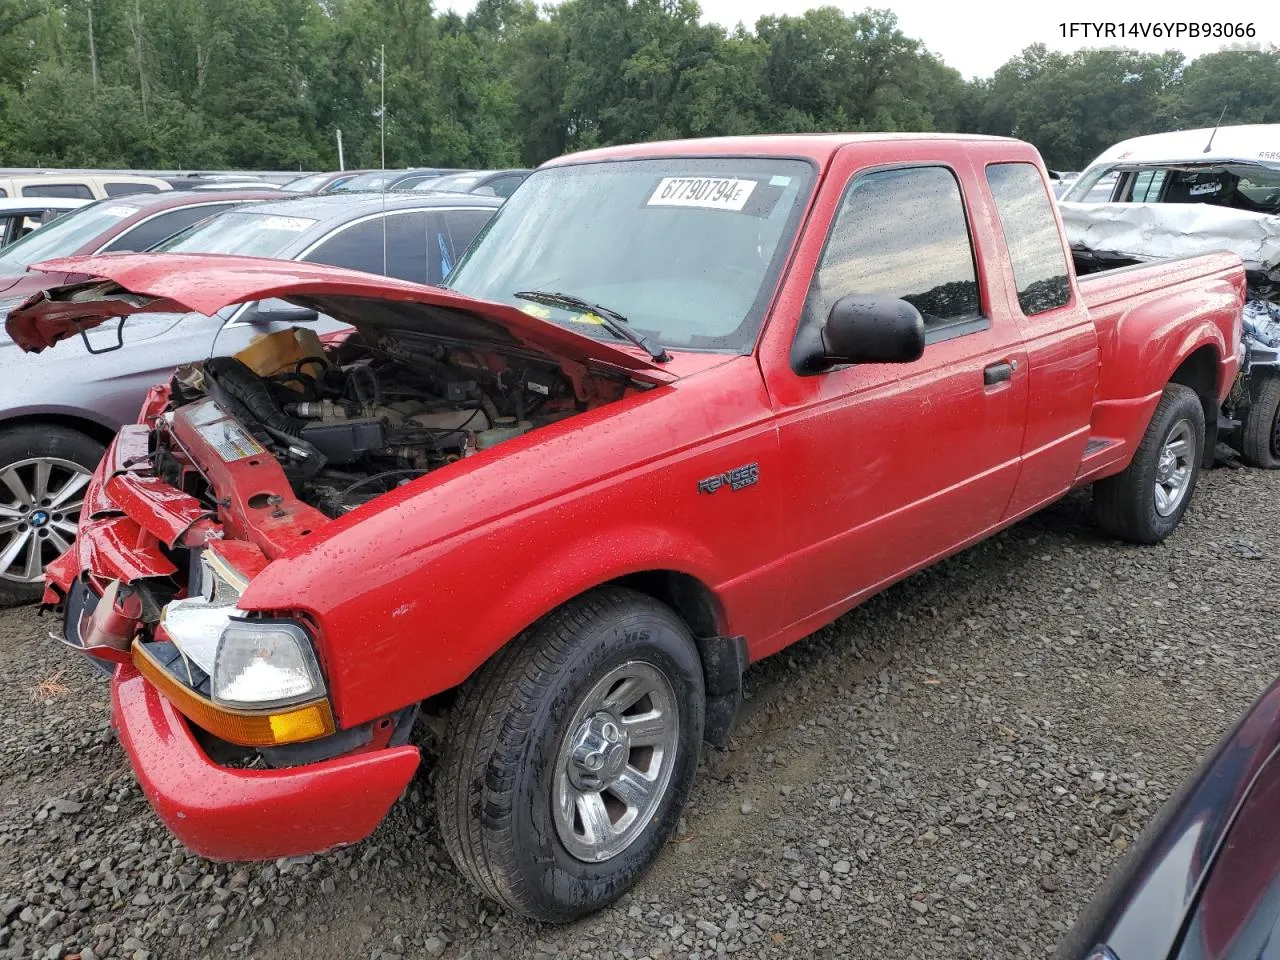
[{"x": 1150, "y": 341}]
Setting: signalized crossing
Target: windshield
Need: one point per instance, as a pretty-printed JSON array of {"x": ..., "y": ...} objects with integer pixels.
[
  {"x": 689, "y": 250},
  {"x": 242, "y": 234},
  {"x": 368, "y": 181},
  {"x": 457, "y": 183},
  {"x": 306, "y": 184},
  {"x": 65, "y": 235}
]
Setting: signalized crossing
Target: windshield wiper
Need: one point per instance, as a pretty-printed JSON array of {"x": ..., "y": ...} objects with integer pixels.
[{"x": 613, "y": 321}]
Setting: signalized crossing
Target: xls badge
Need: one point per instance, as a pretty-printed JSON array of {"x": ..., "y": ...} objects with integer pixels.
[{"x": 734, "y": 479}]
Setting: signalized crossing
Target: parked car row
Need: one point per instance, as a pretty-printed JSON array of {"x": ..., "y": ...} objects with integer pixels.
[
  {"x": 676, "y": 407},
  {"x": 59, "y": 410},
  {"x": 75, "y": 185},
  {"x": 493, "y": 183},
  {"x": 78, "y": 186}
]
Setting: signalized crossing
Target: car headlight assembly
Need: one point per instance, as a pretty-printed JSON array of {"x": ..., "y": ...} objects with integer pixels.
[
  {"x": 262, "y": 664},
  {"x": 265, "y": 686}
]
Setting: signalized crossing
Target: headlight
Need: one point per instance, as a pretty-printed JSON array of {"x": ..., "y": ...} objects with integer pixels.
[{"x": 264, "y": 663}]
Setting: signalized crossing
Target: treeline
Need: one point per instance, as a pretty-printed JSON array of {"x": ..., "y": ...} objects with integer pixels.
[{"x": 266, "y": 83}]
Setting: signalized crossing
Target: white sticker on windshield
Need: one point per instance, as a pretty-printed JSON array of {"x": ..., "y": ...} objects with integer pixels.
[
  {"x": 291, "y": 224},
  {"x": 120, "y": 211},
  {"x": 715, "y": 193}
]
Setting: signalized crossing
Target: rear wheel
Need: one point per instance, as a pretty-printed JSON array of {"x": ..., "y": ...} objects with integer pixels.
[
  {"x": 571, "y": 754},
  {"x": 43, "y": 474},
  {"x": 1145, "y": 503},
  {"x": 1261, "y": 434}
]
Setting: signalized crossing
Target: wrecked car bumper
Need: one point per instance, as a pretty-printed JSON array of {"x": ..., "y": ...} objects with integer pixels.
[{"x": 235, "y": 814}]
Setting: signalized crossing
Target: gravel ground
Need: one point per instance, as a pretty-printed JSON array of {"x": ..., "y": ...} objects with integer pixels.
[{"x": 949, "y": 771}]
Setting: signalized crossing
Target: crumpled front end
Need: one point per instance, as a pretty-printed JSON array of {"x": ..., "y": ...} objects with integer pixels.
[
  {"x": 135, "y": 533},
  {"x": 1261, "y": 339},
  {"x": 226, "y": 716}
]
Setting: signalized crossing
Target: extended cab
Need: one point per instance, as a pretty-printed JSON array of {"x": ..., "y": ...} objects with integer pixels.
[{"x": 681, "y": 405}]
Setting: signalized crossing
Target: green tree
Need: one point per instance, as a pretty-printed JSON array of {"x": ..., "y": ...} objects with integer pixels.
[{"x": 1241, "y": 86}]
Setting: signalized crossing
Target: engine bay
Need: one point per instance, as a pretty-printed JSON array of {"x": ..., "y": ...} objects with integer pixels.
[{"x": 350, "y": 423}]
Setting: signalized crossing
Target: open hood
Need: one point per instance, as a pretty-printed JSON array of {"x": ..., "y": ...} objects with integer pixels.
[{"x": 205, "y": 283}]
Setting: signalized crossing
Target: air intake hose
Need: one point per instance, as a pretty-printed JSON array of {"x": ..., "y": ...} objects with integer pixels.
[{"x": 232, "y": 379}]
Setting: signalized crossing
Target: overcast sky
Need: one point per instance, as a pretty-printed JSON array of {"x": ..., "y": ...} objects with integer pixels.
[{"x": 976, "y": 39}]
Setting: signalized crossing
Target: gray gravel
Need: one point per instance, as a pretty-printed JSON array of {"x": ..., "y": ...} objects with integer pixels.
[{"x": 949, "y": 771}]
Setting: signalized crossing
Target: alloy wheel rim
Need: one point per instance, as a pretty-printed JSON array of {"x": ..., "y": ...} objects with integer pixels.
[
  {"x": 1174, "y": 468},
  {"x": 40, "y": 503},
  {"x": 615, "y": 762}
]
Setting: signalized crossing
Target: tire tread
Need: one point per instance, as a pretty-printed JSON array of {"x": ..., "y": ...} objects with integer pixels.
[
  {"x": 1259, "y": 426},
  {"x": 1120, "y": 502},
  {"x": 489, "y": 727}
]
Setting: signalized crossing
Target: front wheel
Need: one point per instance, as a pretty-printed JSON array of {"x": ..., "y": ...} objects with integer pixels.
[
  {"x": 571, "y": 754},
  {"x": 43, "y": 474},
  {"x": 1144, "y": 503}
]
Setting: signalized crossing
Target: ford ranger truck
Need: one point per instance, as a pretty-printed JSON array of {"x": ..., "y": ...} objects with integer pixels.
[{"x": 680, "y": 405}]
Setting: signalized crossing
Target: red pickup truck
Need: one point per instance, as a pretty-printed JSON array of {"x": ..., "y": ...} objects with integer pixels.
[{"x": 680, "y": 405}]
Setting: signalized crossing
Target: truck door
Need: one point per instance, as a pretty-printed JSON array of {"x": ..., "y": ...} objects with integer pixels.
[
  {"x": 894, "y": 465},
  {"x": 1060, "y": 336}
]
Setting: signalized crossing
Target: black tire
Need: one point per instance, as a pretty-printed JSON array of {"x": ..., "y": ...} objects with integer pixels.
[
  {"x": 1261, "y": 433},
  {"x": 498, "y": 768},
  {"x": 30, "y": 442},
  {"x": 1125, "y": 505}
]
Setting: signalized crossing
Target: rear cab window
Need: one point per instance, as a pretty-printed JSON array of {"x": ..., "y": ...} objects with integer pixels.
[
  {"x": 1031, "y": 236},
  {"x": 903, "y": 233}
]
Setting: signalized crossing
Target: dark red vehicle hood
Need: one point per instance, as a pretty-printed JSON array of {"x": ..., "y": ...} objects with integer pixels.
[{"x": 205, "y": 283}]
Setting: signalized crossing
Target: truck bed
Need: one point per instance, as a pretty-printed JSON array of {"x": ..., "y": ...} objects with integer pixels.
[
  {"x": 1155, "y": 298},
  {"x": 1104, "y": 288}
]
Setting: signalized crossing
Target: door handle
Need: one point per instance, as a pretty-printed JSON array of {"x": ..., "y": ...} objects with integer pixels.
[{"x": 999, "y": 372}]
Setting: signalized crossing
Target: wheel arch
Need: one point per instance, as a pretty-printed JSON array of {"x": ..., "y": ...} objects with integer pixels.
[
  {"x": 724, "y": 658},
  {"x": 1199, "y": 371},
  {"x": 103, "y": 433}
]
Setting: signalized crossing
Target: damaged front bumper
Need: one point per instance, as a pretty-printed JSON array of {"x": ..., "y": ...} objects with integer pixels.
[
  {"x": 232, "y": 814},
  {"x": 201, "y": 763}
]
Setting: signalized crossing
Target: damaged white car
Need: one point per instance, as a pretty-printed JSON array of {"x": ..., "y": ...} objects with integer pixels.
[{"x": 1186, "y": 193}]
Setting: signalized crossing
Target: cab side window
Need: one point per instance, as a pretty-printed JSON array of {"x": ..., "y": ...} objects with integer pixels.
[
  {"x": 120, "y": 188},
  {"x": 901, "y": 233},
  {"x": 361, "y": 247},
  {"x": 1031, "y": 234},
  {"x": 354, "y": 247},
  {"x": 162, "y": 226},
  {"x": 74, "y": 191}
]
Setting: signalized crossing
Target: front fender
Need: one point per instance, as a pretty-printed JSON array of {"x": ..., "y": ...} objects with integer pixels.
[
  {"x": 424, "y": 630},
  {"x": 410, "y": 595}
]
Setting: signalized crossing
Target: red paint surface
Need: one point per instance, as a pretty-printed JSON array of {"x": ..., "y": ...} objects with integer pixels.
[
  {"x": 204, "y": 283},
  {"x": 866, "y": 473},
  {"x": 229, "y": 814},
  {"x": 161, "y": 510}
]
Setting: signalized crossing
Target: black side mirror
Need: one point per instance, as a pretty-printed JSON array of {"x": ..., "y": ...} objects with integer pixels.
[
  {"x": 276, "y": 310},
  {"x": 861, "y": 329}
]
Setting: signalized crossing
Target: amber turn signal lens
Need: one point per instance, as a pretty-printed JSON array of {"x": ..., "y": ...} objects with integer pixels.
[{"x": 268, "y": 729}]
